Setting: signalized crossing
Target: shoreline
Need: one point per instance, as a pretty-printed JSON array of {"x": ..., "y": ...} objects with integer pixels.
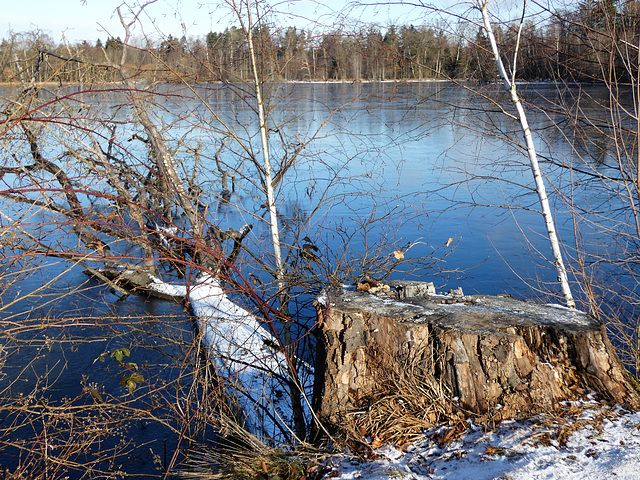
[{"x": 312, "y": 82}]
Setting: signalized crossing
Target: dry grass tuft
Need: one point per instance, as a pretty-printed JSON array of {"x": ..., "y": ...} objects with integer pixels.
[
  {"x": 243, "y": 456},
  {"x": 560, "y": 426},
  {"x": 410, "y": 401}
]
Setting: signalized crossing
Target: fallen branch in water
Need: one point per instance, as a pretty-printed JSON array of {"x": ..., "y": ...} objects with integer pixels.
[{"x": 250, "y": 359}]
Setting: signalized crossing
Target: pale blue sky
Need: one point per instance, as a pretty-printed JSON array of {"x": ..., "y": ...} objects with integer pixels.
[{"x": 93, "y": 19}]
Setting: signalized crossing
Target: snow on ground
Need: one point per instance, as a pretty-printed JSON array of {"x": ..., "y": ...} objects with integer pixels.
[
  {"x": 515, "y": 450},
  {"x": 606, "y": 446}
]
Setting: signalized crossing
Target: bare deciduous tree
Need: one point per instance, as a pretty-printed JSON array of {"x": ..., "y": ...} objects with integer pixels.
[{"x": 510, "y": 85}]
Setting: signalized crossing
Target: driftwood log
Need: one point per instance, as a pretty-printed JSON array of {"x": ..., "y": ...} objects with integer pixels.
[{"x": 490, "y": 355}]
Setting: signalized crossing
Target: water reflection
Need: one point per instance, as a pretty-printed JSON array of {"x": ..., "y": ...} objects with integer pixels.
[
  {"x": 392, "y": 166},
  {"x": 446, "y": 154}
]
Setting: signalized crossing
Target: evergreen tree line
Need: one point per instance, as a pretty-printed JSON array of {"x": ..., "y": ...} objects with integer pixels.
[{"x": 591, "y": 42}]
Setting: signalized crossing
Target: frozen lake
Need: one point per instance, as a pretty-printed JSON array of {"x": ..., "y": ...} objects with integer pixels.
[{"x": 432, "y": 170}]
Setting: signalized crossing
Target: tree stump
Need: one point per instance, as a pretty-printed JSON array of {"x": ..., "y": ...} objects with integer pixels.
[{"x": 488, "y": 354}]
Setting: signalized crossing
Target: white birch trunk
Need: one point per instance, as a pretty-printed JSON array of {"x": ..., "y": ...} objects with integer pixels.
[
  {"x": 295, "y": 387},
  {"x": 268, "y": 180},
  {"x": 533, "y": 158}
]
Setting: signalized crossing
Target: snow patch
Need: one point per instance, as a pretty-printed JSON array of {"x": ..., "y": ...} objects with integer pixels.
[
  {"x": 167, "y": 288},
  {"x": 511, "y": 451},
  {"x": 562, "y": 307},
  {"x": 249, "y": 357},
  {"x": 323, "y": 298}
]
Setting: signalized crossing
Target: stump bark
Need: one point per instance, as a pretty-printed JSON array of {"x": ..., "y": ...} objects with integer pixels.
[{"x": 489, "y": 354}]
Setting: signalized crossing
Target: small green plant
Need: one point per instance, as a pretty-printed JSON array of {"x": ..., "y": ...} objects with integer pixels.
[{"x": 130, "y": 380}]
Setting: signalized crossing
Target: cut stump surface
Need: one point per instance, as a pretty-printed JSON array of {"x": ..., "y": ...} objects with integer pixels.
[{"x": 488, "y": 353}]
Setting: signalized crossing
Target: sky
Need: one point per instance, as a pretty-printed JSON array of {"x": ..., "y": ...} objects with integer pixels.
[
  {"x": 92, "y": 19},
  {"x": 76, "y": 20}
]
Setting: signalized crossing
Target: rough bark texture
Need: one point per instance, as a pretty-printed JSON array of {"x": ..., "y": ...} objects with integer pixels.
[{"x": 493, "y": 355}]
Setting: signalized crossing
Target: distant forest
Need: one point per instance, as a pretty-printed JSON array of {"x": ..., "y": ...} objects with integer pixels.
[{"x": 588, "y": 43}]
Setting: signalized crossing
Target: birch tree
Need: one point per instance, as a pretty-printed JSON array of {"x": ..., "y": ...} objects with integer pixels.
[
  {"x": 244, "y": 10},
  {"x": 510, "y": 87}
]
